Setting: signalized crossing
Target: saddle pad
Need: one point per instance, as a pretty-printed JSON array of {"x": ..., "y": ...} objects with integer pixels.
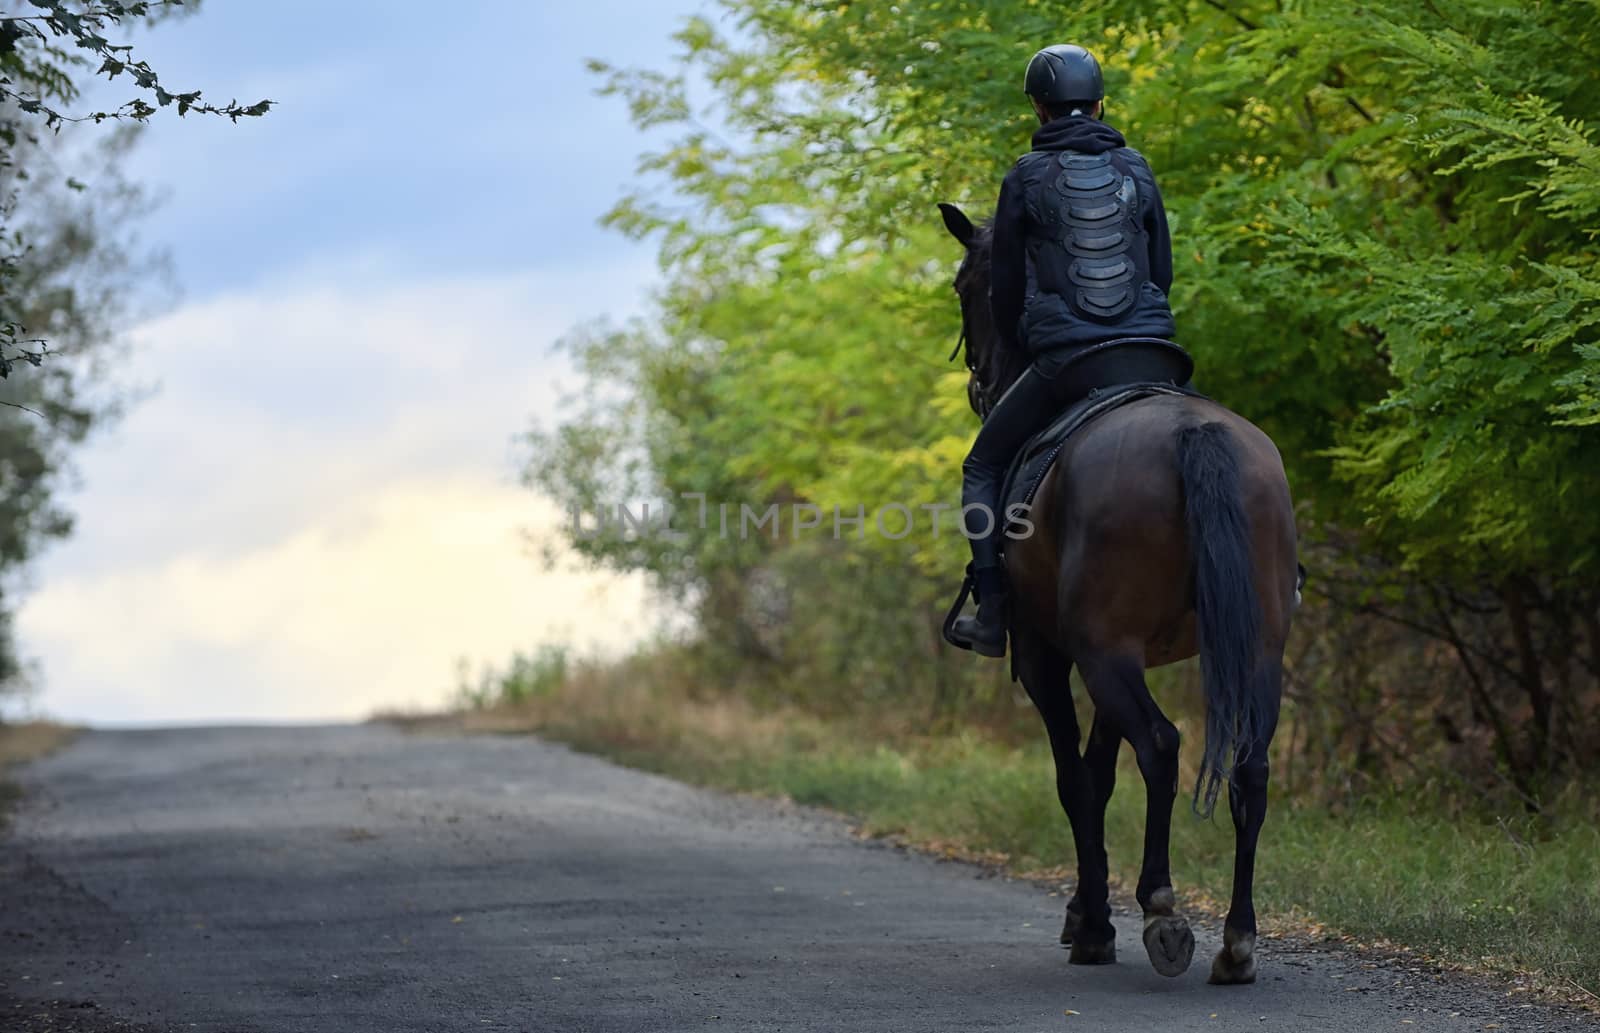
[{"x": 1033, "y": 461}]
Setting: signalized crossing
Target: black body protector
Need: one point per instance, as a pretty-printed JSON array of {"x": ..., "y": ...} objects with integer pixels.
[{"x": 1091, "y": 208}]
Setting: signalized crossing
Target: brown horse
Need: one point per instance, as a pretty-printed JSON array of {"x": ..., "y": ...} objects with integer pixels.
[{"x": 1163, "y": 531}]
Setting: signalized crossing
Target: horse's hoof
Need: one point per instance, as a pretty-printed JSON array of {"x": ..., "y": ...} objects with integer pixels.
[
  {"x": 1093, "y": 953},
  {"x": 1229, "y": 973},
  {"x": 1170, "y": 944},
  {"x": 1236, "y": 962},
  {"x": 1073, "y": 924}
]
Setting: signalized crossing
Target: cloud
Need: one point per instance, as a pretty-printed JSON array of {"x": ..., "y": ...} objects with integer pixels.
[
  {"x": 369, "y": 607},
  {"x": 317, "y": 514},
  {"x": 275, "y": 404}
]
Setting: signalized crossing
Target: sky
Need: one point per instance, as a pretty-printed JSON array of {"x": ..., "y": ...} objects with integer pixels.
[{"x": 314, "y": 514}]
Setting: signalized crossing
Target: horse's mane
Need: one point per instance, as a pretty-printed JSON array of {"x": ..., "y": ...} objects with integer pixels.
[{"x": 996, "y": 364}]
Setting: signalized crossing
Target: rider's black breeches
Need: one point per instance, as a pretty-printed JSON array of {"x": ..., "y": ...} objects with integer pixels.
[{"x": 1037, "y": 397}]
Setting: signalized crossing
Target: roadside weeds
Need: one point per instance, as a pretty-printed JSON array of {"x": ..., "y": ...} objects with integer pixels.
[{"x": 23, "y": 742}]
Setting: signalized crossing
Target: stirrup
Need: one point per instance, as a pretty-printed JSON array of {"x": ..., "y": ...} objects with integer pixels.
[
  {"x": 969, "y": 589},
  {"x": 969, "y": 585}
]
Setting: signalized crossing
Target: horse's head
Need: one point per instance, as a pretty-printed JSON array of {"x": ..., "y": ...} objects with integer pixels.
[{"x": 989, "y": 361}]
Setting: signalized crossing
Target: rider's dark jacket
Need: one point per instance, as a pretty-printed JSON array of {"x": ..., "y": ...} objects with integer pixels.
[{"x": 1050, "y": 284}]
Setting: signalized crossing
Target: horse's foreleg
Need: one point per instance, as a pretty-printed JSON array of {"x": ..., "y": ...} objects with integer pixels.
[
  {"x": 1100, "y": 758},
  {"x": 1247, "y": 799},
  {"x": 1044, "y": 673},
  {"x": 1121, "y": 698}
]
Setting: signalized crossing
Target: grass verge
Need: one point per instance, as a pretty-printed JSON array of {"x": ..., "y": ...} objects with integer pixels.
[
  {"x": 20, "y": 743},
  {"x": 1509, "y": 896}
]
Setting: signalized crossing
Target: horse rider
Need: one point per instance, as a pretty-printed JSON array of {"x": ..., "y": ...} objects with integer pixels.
[{"x": 1069, "y": 272}]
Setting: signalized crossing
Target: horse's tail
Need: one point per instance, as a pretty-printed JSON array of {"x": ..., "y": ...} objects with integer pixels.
[{"x": 1228, "y": 612}]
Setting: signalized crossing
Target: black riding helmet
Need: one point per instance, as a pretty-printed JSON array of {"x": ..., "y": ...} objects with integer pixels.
[{"x": 1064, "y": 73}]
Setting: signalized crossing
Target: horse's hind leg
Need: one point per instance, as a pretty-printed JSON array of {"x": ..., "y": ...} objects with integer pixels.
[
  {"x": 1044, "y": 672},
  {"x": 1121, "y": 698},
  {"x": 1247, "y": 799}
]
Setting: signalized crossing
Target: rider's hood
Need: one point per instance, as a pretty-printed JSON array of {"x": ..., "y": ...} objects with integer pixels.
[{"x": 1077, "y": 133}]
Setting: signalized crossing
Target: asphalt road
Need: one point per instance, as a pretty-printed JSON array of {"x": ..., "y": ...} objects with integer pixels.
[{"x": 353, "y": 879}]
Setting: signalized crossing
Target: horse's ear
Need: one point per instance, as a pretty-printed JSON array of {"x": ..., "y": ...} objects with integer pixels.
[{"x": 956, "y": 221}]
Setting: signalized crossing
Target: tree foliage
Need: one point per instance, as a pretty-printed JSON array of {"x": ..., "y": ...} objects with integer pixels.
[
  {"x": 68, "y": 267},
  {"x": 75, "y": 284},
  {"x": 46, "y": 47},
  {"x": 1384, "y": 223}
]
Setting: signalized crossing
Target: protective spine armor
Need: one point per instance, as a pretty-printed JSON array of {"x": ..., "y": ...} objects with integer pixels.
[{"x": 1095, "y": 205}]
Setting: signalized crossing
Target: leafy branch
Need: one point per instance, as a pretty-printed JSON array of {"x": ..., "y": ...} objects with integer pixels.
[{"x": 39, "y": 56}]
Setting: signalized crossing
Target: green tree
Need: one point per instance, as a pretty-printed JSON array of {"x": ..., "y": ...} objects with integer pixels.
[
  {"x": 1384, "y": 224},
  {"x": 68, "y": 266}
]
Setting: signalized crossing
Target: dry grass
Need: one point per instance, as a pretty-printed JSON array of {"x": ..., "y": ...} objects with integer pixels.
[{"x": 20, "y": 743}]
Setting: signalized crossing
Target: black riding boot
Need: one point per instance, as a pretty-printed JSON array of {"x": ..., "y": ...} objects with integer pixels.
[
  {"x": 986, "y": 633},
  {"x": 1024, "y": 409}
]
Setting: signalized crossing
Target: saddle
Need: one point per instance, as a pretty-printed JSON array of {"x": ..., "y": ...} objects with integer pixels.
[{"x": 1108, "y": 376}]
